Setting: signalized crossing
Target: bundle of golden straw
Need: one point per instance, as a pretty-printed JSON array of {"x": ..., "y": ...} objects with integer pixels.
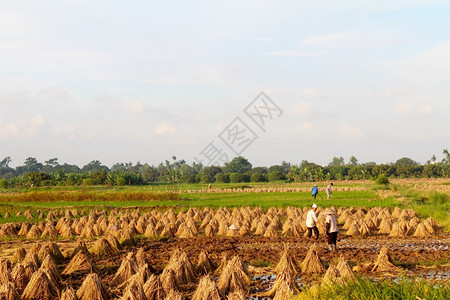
[{"x": 312, "y": 263}]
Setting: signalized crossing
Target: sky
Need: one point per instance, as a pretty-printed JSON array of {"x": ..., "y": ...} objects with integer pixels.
[{"x": 129, "y": 81}]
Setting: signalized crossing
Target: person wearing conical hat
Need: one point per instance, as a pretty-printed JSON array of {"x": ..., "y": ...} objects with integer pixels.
[{"x": 331, "y": 228}]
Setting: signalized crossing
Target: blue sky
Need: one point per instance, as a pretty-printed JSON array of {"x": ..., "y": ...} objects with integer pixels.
[{"x": 123, "y": 81}]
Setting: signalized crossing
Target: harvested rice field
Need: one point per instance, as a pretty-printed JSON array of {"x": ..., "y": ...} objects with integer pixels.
[{"x": 206, "y": 253}]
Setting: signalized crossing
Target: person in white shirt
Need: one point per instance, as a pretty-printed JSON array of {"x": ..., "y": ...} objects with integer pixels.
[
  {"x": 311, "y": 221},
  {"x": 331, "y": 228},
  {"x": 329, "y": 191}
]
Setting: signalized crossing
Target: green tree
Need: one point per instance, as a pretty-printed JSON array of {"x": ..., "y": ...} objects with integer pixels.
[
  {"x": 94, "y": 166},
  {"x": 405, "y": 161},
  {"x": 238, "y": 165},
  {"x": 50, "y": 165},
  {"x": 337, "y": 161},
  {"x": 353, "y": 161},
  {"x": 275, "y": 176},
  {"x": 433, "y": 171},
  {"x": 236, "y": 177}
]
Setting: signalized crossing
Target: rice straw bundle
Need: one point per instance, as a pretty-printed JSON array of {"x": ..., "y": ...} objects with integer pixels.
[
  {"x": 286, "y": 264},
  {"x": 49, "y": 230},
  {"x": 206, "y": 290},
  {"x": 150, "y": 231},
  {"x": 234, "y": 277},
  {"x": 31, "y": 258},
  {"x": 134, "y": 291},
  {"x": 92, "y": 288},
  {"x": 40, "y": 287},
  {"x": 345, "y": 271},
  {"x": 260, "y": 228},
  {"x": 312, "y": 263},
  {"x": 53, "y": 250},
  {"x": 5, "y": 271},
  {"x": 364, "y": 229},
  {"x": 223, "y": 263},
  {"x": 180, "y": 264},
  {"x": 80, "y": 263},
  {"x": 332, "y": 275},
  {"x": 430, "y": 225},
  {"x": 385, "y": 226},
  {"x": 348, "y": 223},
  {"x": 209, "y": 231},
  {"x": 9, "y": 292},
  {"x": 223, "y": 228},
  {"x": 236, "y": 295},
  {"x": 244, "y": 230},
  {"x": 80, "y": 246},
  {"x": 34, "y": 232},
  {"x": 174, "y": 295},
  {"x": 29, "y": 215},
  {"x": 396, "y": 230},
  {"x": 353, "y": 230},
  {"x": 153, "y": 288},
  {"x": 88, "y": 232},
  {"x": 19, "y": 254},
  {"x": 68, "y": 294},
  {"x": 24, "y": 228},
  {"x": 168, "y": 281},
  {"x": 421, "y": 230},
  {"x": 411, "y": 229},
  {"x": 127, "y": 268},
  {"x": 270, "y": 231},
  {"x": 283, "y": 285},
  {"x": 103, "y": 247},
  {"x": 384, "y": 262},
  {"x": 49, "y": 267},
  {"x": 21, "y": 276},
  {"x": 167, "y": 232},
  {"x": 204, "y": 264}
]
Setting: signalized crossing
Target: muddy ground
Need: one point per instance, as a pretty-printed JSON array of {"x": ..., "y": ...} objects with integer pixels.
[{"x": 420, "y": 257}]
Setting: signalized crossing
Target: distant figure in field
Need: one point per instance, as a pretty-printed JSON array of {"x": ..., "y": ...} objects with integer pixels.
[
  {"x": 331, "y": 228},
  {"x": 311, "y": 221},
  {"x": 314, "y": 191},
  {"x": 329, "y": 190}
]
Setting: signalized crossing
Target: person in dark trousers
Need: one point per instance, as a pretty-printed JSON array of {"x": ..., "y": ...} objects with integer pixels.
[
  {"x": 311, "y": 221},
  {"x": 331, "y": 228},
  {"x": 314, "y": 191}
]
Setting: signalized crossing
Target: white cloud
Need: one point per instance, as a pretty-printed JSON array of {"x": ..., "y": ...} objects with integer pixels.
[
  {"x": 305, "y": 127},
  {"x": 165, "y": 129},
  {"x": 262, "y": 39},
  {"x": 309, "y": 93},
  {"x": 351, "y": 132},
  {"x": 22, "y": 129},
  {"x": 303, "y": 109},
  {"x": 16, "y": 96},
  {"x": 331, "y": 40},
  {"x": 414, "y": 109},
  {"x": 13, "y": 24},
  {"x": 72, "y": 133},
  {"x": 220, "y": 34},
  {"x": 133, "y": 106},
  {"x": 293, "y": 52}
]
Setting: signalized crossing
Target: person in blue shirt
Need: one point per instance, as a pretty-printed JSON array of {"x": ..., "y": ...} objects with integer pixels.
[{"x": 315, "y": 191}]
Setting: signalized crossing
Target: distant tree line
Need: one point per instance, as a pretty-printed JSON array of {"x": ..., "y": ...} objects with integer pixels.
[{"x": 239, "y": 169}]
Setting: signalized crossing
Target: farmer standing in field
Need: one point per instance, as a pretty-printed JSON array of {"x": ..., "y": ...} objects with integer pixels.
[
  {"x": 331, "y": 228},
  {"x": 329, "y": 191},
  {"x": 314, "y": 191},
  {"x": 311, "y": 221}
]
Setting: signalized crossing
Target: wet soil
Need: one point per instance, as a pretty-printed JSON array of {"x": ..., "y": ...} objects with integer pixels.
[{"x": 416, "y": 256}]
